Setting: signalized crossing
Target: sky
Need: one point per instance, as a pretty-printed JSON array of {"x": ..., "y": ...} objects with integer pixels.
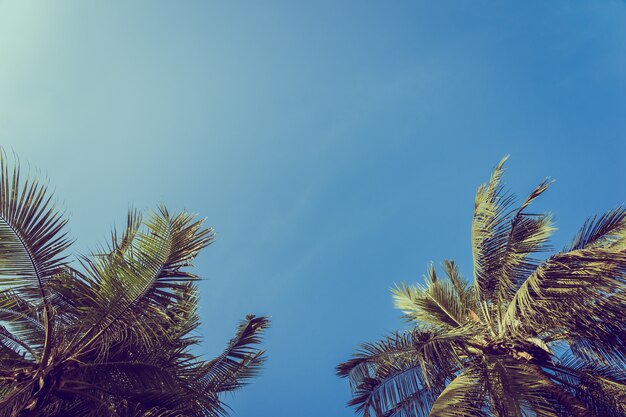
[{"x": 335, "y": 146}]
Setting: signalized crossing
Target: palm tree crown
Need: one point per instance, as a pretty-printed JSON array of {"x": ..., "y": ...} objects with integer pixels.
[
  {"x": 113, "y": 336},
  {"x": 525, "y": 338}
]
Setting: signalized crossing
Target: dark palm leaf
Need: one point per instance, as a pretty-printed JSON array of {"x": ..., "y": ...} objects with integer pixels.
[
  {"x": 32, "y": 241},
  {"x": 240, "y": 361},
  {"x": 114, "y": 337}
]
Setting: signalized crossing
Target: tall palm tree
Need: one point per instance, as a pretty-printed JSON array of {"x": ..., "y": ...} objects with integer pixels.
[
  {"x": 524, "y": 338},
  {"x": 113, "y": 334}
]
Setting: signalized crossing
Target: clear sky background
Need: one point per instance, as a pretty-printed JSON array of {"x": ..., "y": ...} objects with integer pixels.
[{"x": 335, "y": 146}]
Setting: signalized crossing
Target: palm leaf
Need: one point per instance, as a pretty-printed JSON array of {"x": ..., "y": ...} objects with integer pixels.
[
  {"x": 437, "y": 303},
  {"x": 601, "y": 388},
  {"x": 516, "y": 388},
  {"x": 146, "y": 275},
  {"x": 463, "y": 397},
  {"x": 504, "y": 239},
  {"x": 528, "y": 234},
  {"x": 404, "y": 372},
  {"x": 570, "y": 291},
  {"x": 507, "y": 338},
  {"x": 608, "y": 230},
  {"x": 492, "y": 208},
  {"x": 32, "y": 240},
  {"x": 240, "y": 361}
]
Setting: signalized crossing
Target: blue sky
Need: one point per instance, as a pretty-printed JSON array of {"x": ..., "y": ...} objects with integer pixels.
[{"x": 335, "y": 146}]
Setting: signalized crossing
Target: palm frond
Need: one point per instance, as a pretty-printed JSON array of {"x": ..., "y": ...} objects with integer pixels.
[
  {"x": 517, "y": 388},
  {"x": 571, "y": 291},
  {"x": 22, "y": 320},
  {"x": 405, "y": 371},
  {"x": 604, "y": 343},
  {"x": 504, "y": 239},
  {"x": 605, "y": 231},
  {"x": 31, "y": 232},
  {"x": 464, "y": 396},
  {"x": 601, "y": 388},
  {"x": 467, "y": 293},
  {"x": 114, "y": 337},
  {"x": 240, "y": 361},
  {"x": 148, "y": 273},
  {"x": 452, "y": 272},
  {"x": 492, "y": 208},
  {"x": 529, "y": 338},
  {"x": 528, "y": 234},
  {"x": 32, "y": 240},
  {"x": 437, "y": 303}
]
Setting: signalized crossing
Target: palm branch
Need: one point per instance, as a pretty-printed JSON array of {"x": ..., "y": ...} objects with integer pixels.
[
  {"x": 528, "y": 337},
  {"x": 113, "y": 336}
]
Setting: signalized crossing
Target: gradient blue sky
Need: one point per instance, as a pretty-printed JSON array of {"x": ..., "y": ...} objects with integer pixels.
[{"x": 335, "y": 146}]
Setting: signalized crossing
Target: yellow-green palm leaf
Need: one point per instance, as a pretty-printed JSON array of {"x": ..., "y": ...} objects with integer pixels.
[{"x": 528, "y": 337}]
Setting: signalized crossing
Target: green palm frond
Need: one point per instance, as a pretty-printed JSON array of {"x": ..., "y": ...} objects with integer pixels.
[
  {"x": 468, "y": 294},
  {"x": 32, "y": 240},
  {"x": 516, "y": 388},
  {"x": 492, "y": 207},
  {"x": 116, "y": 335},
  {"x": 601, "y": 388},
  {"x": 605, "y": 231},
  {"x": 147, "y": 273},
  {"x": 23, "y": 320},
  {"x": 568, "y": 289},
  {"x": 31, "y": 232},
  {"x": 387, "y": 393},
  {"x": 13, "y": 342},
  {"x": 604, "y": 343},
  {"x": 504, "y": 238},
  {"x": 458, "y": 282},
  {"x": 240, "y": 361},
  {"x": 464, "y": 396},
  {"x": 437, "y": 303},
  {"x": 527, "y": 338},
  {"x": 528, "y": 234},
  {"x": 120, "y": 244},
  {"x": 405, "y": 371}
]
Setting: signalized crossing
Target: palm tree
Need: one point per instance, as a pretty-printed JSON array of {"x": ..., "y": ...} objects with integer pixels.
[
  {"x": 113, "y": 335},
  {"x": 525, "y": 338}
]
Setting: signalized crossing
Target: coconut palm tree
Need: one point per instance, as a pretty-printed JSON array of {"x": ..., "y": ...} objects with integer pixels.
[
  {"x": 111, "y": 335},
  {"x": 524, "y": 338}
]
